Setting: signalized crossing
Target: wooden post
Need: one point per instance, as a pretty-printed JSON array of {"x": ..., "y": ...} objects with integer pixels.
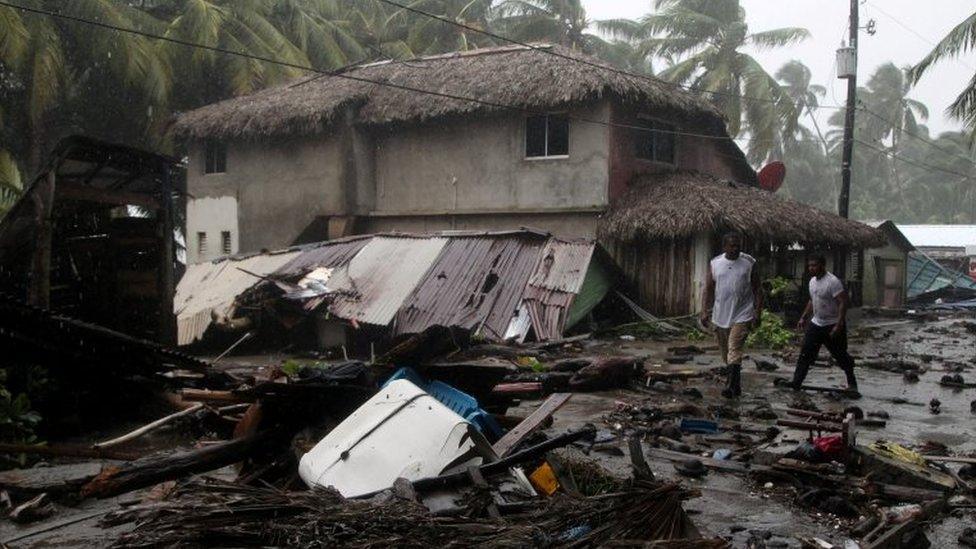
[
  {"x": 40, "y": 280},
  {"x": 166, "y": 282}
]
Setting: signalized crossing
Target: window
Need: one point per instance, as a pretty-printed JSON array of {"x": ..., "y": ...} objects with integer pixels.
[
  {"x": 546, "y": 135},
  {"x": 216, "y": 157},
  {"x": 225, "y": 242},
  {"x": 656, "y": 143},
  {"x": 201, "y": 243}
]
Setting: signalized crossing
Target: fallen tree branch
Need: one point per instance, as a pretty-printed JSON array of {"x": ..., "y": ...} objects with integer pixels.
[{"x": 148, "y": 427}]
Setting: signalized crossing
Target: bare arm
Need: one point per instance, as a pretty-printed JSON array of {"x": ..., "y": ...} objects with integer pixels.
[
  {"x": 807, "y": 311},
  {"x": 757, "y": 295},
  {"x": 843, "y": 301},
  {"x": 708, "y": 295}
]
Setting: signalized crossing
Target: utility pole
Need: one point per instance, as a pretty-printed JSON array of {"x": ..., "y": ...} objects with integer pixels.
[
  {"x": 847, "y": 68},
  {"x": 851, "y": 75}
]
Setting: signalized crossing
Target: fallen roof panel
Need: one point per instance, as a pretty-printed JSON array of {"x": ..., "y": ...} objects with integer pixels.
[
  {"x": 381, "y": 276},
  {"x": 211, "y": 288},
  {"x": 475, "y": 284}
]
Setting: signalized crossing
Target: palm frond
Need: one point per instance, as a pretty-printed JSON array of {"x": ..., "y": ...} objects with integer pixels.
[
  {"x": 960, "y": 39},
  {"x": 778, "y": 37}
]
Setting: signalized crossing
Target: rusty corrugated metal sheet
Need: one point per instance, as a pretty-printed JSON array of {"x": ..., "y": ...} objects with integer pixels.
[
  {"x": 563, "y": 265},
  {"x": 381, "y": 276},
  {"x": 212, "y": 287},
  {"x": 557, "y": 279},
  {"x": 475, "y": 284},
  {"x": 334, "y": 253}
]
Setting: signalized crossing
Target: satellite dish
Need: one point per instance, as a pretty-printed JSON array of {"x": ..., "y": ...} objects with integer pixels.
[{"x": 772, "y": 175}]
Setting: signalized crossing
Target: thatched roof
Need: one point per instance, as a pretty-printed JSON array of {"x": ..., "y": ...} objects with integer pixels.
[
  {"x": 517, "y": 76},
  {"x": 683, "y": 203}
]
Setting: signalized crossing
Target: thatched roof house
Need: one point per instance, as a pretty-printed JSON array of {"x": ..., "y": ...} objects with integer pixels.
[
  {"x": 515, "y": 76},
  {"x": 684, "y": 203}
]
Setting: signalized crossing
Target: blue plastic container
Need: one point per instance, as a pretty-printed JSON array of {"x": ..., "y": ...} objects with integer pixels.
[{"x": 458, "y": 401}]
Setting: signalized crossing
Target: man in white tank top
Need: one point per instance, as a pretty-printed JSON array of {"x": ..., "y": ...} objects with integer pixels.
[{"x": 732, "y": 303}]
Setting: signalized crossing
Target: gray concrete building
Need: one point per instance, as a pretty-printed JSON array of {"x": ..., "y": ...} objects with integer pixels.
[{"x": 334, "y": 157}]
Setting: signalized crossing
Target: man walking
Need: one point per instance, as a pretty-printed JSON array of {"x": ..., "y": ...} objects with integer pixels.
[
  {"x": 733, "y": 302},
  {"x": 828, "y": 305}
]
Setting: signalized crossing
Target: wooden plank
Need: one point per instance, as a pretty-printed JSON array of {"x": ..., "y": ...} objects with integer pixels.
[
  {"x": 75, "y": 191},
  {"x": 951, "y": 459},
  {"x": 720, "y": 464},
  {"x": 530, "y": 424}
]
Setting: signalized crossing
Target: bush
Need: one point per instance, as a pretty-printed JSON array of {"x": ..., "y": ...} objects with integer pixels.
[
  {"x": 771, "y": 333},
  {"x": 17, "y": 419}
]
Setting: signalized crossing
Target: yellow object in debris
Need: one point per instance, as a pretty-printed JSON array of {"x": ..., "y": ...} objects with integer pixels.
[
  {"x": 897, "y": 451},
  {"x": 544, "y": 479}
]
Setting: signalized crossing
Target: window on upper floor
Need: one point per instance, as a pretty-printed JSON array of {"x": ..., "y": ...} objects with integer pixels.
[
  {"x": 215, "y": 157},
  {"x": 656, "y": 142},
  {"x": 546, "y": 135}
]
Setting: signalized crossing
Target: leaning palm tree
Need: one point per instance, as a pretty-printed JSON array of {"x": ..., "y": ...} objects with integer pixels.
[
  {"x": 706, "y": 37},
  {"x": 960, "y": 39},
  {"x": 561, "y": 22},
  {"x": 795, "y": 78}
]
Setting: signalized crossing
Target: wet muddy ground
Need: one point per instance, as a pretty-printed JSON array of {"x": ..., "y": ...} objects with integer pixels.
[
  {"x": 734, "y": 505},
  {"x": 730, "y": 505}
]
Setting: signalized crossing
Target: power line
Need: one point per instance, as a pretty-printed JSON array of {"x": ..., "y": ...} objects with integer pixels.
[
  {"x": 923, "y": 139},
  {"x": 342, "y": 75},
  {"x": 380, "y": 83},
  {"x": 549, "y": 51},
  {"x": 916, "y": 33},
  {"x": 346, "y": 76},
  {"x": 916, "y": 163}
]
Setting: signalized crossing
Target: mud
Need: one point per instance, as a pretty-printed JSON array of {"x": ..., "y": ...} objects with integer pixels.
[{"x": 733, "y": 505}]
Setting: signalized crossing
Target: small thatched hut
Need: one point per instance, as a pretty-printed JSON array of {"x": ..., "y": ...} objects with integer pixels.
[{"x": 665, "y": 229}]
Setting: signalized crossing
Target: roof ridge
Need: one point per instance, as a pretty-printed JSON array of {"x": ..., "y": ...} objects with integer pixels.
[{"x": 477, "y": 52}]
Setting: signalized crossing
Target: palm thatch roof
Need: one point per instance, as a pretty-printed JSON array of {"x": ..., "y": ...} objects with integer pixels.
[
  {"x": 682, "y": 203},
  {"x": 519, "y": 77}
]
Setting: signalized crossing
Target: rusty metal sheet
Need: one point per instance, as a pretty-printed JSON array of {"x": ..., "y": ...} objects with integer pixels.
[
  {"x": 208, "y": 288},
  {"x": 381, "y": 276},
  {"x": 548, "y": 311},
  {"x": 475, "y": 284},
  {"x": 333, "y": 253},
  {"x": 563, "y": 265}
]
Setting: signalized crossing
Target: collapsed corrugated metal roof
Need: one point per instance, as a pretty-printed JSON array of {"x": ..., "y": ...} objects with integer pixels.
[
  {"x": 493, "y": 284},
  {"x": 926, "y": 275},
  {"x": 209, "y": 289}
]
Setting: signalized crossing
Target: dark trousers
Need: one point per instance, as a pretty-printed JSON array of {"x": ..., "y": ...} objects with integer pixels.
[{"x": 813, "y": 338}]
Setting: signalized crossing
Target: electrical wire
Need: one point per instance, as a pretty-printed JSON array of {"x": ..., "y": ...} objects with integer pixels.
[
  {"x": 916, "y": 33},
  {"x": 916, "y": 163},
  {"x": 380, "y": 83},
  {"x": 921, "y": 138},
  {"x": 549, "y": 51}
]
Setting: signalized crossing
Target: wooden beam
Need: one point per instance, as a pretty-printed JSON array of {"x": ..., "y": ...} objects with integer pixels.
[
  {"x": 75, "y": 191},
  {"x": 530, "y": 424}
]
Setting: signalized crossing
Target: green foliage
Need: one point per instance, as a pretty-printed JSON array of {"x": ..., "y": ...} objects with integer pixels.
[
  {"x": 18, "y": 420},
  {"x": 695, "y": 334},
  {"x": 777, "y": 285},
  {"x": 771, "y": 333}
]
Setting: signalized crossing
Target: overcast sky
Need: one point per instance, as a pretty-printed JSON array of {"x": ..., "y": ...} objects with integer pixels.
[{"x": 827, "y": 22}]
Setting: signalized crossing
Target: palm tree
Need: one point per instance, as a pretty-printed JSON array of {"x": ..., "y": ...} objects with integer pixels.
[
  {"x": 562, "y": 22},
  {"x": 795, "y": 78},
  {"x": 54, "y": 63},
  {"x": 960, "y": 39},
  {"x": 426, "y": 35},
  {"x": 707, "y": 36}
]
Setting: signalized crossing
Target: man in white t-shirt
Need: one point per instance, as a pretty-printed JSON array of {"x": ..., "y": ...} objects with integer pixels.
[
  {"x": 828, "y": 325},
  {"x": 732, "y": 302}
]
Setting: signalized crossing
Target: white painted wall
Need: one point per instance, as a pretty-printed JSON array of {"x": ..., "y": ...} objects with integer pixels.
[{"x": 212, "y": 216}]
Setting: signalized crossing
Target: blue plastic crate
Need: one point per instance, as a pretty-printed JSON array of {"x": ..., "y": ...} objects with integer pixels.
[{"x": 458, "y": 401}]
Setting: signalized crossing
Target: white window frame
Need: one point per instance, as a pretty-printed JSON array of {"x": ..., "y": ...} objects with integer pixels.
[{"x": 546, "y": 156}]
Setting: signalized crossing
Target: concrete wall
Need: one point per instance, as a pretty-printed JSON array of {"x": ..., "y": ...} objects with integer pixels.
[
  {"x": 211, "y": 215},
  {"x": 691, "y": 152},
  {"x": 479, "y": 164},
  {"x": 280, "y": 186},
  {"x": 566, "y": 225}
]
